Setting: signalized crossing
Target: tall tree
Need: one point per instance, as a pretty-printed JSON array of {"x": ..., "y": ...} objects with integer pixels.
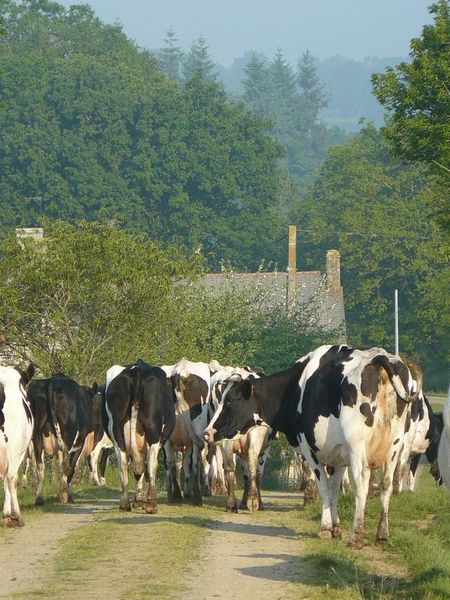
[
  {"x": 378, "y": 211},
  {"x": 417, "y": 95},
  {"x": 256, "y": 84},
  {"x": 197, "y": 62},
  {"x": 170, "y": 56},
  {"x": 312, "y": 98}
]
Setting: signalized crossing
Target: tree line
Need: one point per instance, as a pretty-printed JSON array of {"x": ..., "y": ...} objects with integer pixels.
[{"x": 93, "y": 128}]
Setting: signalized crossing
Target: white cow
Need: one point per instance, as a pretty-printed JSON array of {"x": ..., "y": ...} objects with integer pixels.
[
  {"x": 191, "y": 388},
  {"x": 444, "y": 445},
  {"x": 252, "y": 448},
  {"x": 16, "y": 429}
]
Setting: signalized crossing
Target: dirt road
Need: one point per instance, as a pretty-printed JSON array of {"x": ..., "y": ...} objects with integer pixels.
[{"x": 242, "y": 554}]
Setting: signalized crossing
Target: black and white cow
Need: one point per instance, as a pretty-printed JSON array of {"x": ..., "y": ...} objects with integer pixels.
[
  {"x": 191, "y": 389},
  {"x": 338, "y": 406},
  {"x": 252, "y": 447},
  {"x": 97, "y": 443},
  {"x": 139, "y": 417},
  {"x": 62, "y": 423},
  {"x": 421, "y": 438},
  {"x": 16, "y": 429},
  {"x": 444, "y": 445}
]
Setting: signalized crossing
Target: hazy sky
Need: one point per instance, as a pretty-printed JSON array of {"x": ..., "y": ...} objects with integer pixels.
[{"x": 351, "y": 28}]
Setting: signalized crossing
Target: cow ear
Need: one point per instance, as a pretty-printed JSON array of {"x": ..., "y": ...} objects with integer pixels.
[
  {"x": 247, "y": 388},
  {"x": 94, "y": 388},
  {"x": 28, "y": 374}
]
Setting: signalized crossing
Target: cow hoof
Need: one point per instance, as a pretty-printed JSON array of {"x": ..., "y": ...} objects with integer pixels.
[
  {"x": 39, "y": 501},
  {"x": 177, "y": 500},
  {"x": 381, "y": 539},
  {"x": 138, "y": 503},
  {"x": 356, "y": 542},
  {"x": 253, "y": 504},
  {"x": 336, "y": 533},
  {"x": 150, "y": 509},
  {"x": 232, "y": 509},
  {"x": 125, "y": 506},
  {"x": 324, "y": 534},
  {"x": 10, "y": 521}
]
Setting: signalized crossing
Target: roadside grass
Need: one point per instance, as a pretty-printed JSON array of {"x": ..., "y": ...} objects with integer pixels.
[{"x": 414, "y": 564}]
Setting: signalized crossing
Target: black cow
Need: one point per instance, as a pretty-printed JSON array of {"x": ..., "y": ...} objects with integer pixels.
[
  {"x": 338, "y": 406},
  {"x": 139, "y": 418},
  {"x": 61, "y": 424}
]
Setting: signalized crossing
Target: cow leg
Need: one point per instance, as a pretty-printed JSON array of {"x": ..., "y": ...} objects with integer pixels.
[
  {"x": 11, "y": 510},
  {"x": 63, "y": 484},
  {"x": 205, "y": 465},
  {"x": 257, "y": 438},
  {"x": 40, "y": 474},
  {"x": 326, "y": 521},
  {"x": 150, "y": 505},
  {"x": 361, "y": 475},
  {"x": 94, "y": 458},
  {"x": 335, "y": 483},
  {"x": 195, "y": 475},
  {"x": 141, "y": 489},
  {"x": 217, "y": 475},
  {"x": 310, "y": 489},
  {"x": 412, "y": 475},
  {"x": 188, "y": 473},
  {"x": 229, "y": 465},
  {"x": 102, "y": 463},
  {"x": 385, "y": 496},
  {"x": 173, "y": 487},
  {"x": 243, "y": 505},
  {"x": 399, "y": 473},
  {"x": 122, "y": 461}
]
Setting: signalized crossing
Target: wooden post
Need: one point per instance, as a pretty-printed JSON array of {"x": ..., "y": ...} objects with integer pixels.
[{"x": 291, "y": 269}]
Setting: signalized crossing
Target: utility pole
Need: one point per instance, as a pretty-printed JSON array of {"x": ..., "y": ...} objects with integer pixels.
[
  {"x": 396, "y": 321},
  {"x": 292, "y": 269}
]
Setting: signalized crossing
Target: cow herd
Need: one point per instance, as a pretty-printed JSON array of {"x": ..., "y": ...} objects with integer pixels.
[{"x": 337, "y": 406}]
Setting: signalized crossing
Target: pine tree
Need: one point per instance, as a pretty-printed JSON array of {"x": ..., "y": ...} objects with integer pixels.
[
  {"x": 170, "y": 56},
  {"x": 312, "y": 98},
  {"x": 256, "y": 84},
  {"x": 198, "y": 63}
]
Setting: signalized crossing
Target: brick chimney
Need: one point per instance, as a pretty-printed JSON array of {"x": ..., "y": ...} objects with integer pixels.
[{"x": 334, "y": 271}]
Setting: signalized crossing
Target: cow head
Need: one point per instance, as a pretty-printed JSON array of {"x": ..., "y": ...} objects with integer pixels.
[{"x": 237, "y": 411}]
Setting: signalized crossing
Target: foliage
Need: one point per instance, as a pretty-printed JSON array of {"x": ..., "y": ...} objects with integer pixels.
[
  {"x": 379, "y": 213},
  {"x": 417, "y": 97},
  {"x": 92, "y": 129},
  {"x": 197, "y": 62},
  {"x": 170, "y": 56},
  {"x": 88, "y": 296},
  {"x": 292, "y": 101}
]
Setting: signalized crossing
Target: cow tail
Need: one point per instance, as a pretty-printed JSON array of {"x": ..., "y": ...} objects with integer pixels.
[
  {"x": 3, "y": 455},
  {"x": 53, "y": 419},
  {"x": 136, "y": 391},
  {"x": 383, "y": 361}
]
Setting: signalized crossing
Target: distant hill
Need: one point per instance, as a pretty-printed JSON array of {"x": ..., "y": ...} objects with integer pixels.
[{"x": 346, "y": 81}]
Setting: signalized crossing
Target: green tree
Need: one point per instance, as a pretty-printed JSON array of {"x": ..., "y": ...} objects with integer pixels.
[
  {"x": 379, "y": 213},
  {"x": 197, "y": 62},
  {"x": 416, "y": 96},
  {"x": 93, "y": 130},
  {"x": 170, "y": 56},
  {"x": 89, "y": 296},
  {"x": 256, "y": 84},
  {"x": 312, "y": 98}
]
